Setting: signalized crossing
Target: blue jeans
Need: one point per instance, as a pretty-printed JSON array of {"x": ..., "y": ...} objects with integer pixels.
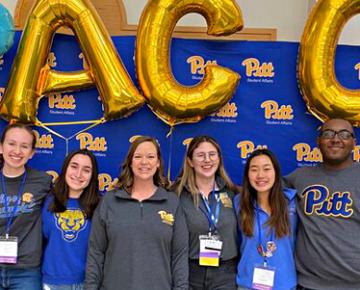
[
  {"x": 20, "y": 279},
  {"x": 79, "y": 286}
]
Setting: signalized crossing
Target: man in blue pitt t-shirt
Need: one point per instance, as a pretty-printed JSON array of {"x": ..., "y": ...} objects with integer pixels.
[{"x": 328, "y": 205}]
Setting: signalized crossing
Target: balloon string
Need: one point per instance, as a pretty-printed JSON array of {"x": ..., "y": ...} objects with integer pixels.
[
  {"x": 172, "y": 128},
  {"x": 170, "y": 151},
  {"x": 73, "y": 123},
  {"x": 40, "y": 124},
  {"x": 97, "y": 122},
  {"x": 94, "y": 124}
]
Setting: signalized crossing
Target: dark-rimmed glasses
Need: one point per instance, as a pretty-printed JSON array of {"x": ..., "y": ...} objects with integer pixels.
[{"x": 342, "y": 134}]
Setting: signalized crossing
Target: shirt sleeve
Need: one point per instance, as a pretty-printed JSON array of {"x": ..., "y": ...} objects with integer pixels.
[
  {"x": 97, "y": 247},
  {"x": 180, "y": 252}
]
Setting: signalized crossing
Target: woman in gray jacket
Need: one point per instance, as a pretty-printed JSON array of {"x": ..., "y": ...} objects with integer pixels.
[{"x": 139, "y": 238}]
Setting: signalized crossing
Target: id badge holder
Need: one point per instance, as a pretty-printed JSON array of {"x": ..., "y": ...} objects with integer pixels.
[
  {"x": 210, "y": 250},
  {"x": 8, "y": 249},
  {"x": 263, "y": 277}
]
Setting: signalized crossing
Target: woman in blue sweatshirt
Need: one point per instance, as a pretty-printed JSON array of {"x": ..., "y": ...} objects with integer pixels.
[
  {"x": 67, "y": 220},
  {"x": 267, "y": 226}
]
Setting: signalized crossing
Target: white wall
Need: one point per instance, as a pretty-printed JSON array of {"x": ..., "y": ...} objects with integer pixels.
[{"x": 287, "y": 16}]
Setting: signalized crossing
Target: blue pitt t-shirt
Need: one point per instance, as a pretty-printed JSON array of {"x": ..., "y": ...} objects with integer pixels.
[{"x": 66, "y": 236}]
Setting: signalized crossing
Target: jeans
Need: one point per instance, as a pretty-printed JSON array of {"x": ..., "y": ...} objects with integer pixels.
[
  {"x": 79, "y": 286},
  {"x": 20, "y": 279},
  {"x": 213, "y": 278}
]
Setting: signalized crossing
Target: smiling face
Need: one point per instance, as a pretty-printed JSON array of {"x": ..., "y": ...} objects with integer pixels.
[
  {"x": 16, "y": 150},
  {"x": 261, "y": 174},
  {"x": 145, "y": 162},
  {"x": 78, "y": 174},
  {"x": 205, "y": 160},
  {"x": 336, "y": 151}
]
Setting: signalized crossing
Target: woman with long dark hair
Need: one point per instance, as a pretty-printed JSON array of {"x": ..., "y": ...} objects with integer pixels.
[
  {"x": 267, "y": 226},
  {"x": 139, "y": 238},
  {"x": 206, "y": 194},
  {"x": 23, "y": 190},
  {"x": 66, "y": 220}
]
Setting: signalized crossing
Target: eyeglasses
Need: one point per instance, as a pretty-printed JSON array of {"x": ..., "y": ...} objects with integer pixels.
[
  {"x": 342, "y": 134},
  {"x": 202, "y": 156}
]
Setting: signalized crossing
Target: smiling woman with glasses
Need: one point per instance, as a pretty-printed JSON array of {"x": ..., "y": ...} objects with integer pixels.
[{"x": 206, "y": 194}]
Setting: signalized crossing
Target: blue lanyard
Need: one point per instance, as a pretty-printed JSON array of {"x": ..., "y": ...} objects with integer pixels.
[
  {"x": 272, "y": 234},
  {"x": 211, "y": 217},
  {"x": 9, "y": 216}
]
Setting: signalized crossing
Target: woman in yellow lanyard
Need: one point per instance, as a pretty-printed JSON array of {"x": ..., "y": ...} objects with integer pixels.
[
  {"x": 206, "y": 194},
  {"x": 23, "y": 191}
]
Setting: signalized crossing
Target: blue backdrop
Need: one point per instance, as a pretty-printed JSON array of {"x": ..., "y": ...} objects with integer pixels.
[{"x": 267, "y": 109}]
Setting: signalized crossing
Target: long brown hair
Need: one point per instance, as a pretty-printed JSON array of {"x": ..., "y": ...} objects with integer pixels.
[
  {"x": 187, "y": 178},
  {"x": 126, "y": 177},
  {"x": 279, "y": 219},
  {"x": 89, "y": 197},
  {"x": 27, "y": 128}
]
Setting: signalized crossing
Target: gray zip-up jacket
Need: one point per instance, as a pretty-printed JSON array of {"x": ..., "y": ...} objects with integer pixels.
[{"x": 138, "y": 245}]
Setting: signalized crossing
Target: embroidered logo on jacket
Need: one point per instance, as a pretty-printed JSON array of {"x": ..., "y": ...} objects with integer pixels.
[
  {"x": 225, "y": 200},
  {"x": 318, "y": 200},
  {"x": 166, "y": 218},
  {"x": 70, "y": 223}
]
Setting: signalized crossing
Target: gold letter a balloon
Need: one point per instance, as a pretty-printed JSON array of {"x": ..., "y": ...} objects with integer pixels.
[
  {"x": 323, "y": 94},
  {"x": 170, "y": 101},
  {"x": 31, "y": 77}
]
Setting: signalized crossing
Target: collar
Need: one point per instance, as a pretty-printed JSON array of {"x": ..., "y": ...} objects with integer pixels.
[
  {"x": 160, "y": 195},
  {"x": 289, "y": 194},
  {"x": 219, "y": 181}
]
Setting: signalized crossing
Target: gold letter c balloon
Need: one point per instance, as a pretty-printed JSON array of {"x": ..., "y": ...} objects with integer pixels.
[
  {"x": 170, "y": 101},
  {"x": 323, "y": 94}
]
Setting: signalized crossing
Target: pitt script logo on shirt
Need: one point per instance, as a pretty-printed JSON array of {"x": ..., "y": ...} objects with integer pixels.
[
  {"x": 166, "y": 218},
  {"x": 318, "y": 200}
]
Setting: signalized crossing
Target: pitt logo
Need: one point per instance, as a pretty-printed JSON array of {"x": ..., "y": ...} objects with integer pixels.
[
  {"x": 228, "y": 111},
  {"x": 105, "y": 182},
  {"x": 27, "y": 197},
  {"x": 357, "y": 67},
  {"x": 356, "y": 153},
  {"x": 2, "y": 90},
  {"x": 44, "y": 141},
  {"x": 62, "y": 102},
  {"x": 255, "y": 69},
  {"x": 247, "y": 147},
  {"x": 70, "y": 223},
  {"x": 53, "y": 174},
  {"x": 319, "y": 201},
  {"x": 198, "y": 64},
  {"x": 166, "y": 218},
  {"x": 273, "y": 111},
  {"x": 51, "y": 60},
  {"x": 225, "y": 200},
  {"x": 305, "y": 153},
  {"x": 93, "y": 144}
]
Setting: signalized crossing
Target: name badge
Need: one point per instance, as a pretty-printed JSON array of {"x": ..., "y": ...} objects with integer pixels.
[
  {"x": 8, "y": 249},
  {"x": 210, "y": 250},
  {"x": 263, "y": 278}
]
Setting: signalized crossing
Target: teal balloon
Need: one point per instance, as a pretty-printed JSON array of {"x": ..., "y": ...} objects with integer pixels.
[{"x": 6, "y": 30}]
